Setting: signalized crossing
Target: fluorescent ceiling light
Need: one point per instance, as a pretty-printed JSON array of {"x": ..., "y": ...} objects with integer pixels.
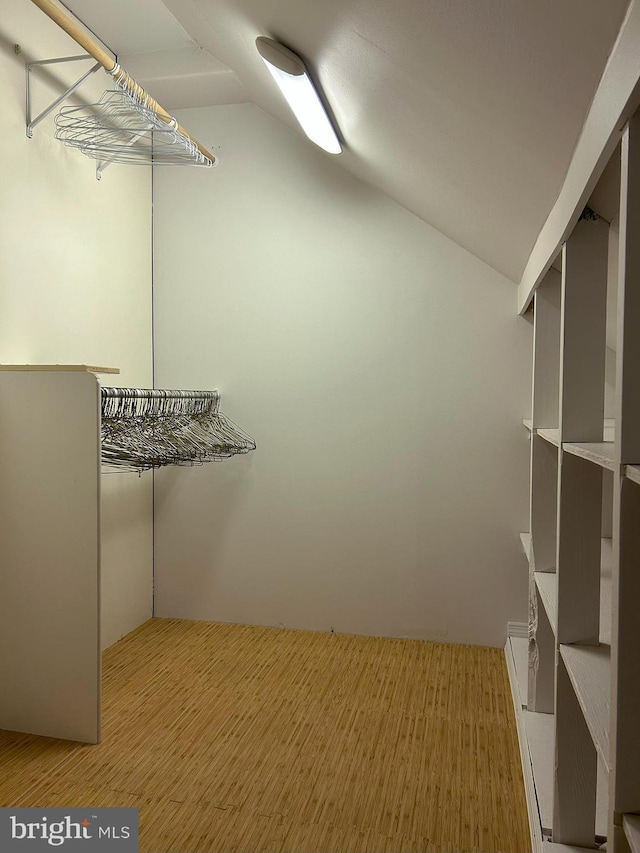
[{"x": 289, "y": 72}]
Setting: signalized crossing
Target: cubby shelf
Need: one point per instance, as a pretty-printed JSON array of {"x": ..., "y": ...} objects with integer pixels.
[
  {"x": 540, "y": 729},
  {"x": 537, "y": 733},
  {"x": 589, "y": 669},
  {"x": 547, "y": 584},
  {"x": 584, "y": 450}
]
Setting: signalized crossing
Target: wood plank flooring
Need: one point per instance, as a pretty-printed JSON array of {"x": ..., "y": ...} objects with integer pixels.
[{"x": 236, "y": 739}]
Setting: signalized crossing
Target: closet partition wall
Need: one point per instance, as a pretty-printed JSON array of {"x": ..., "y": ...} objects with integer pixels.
[
  {"x": 50, "y": 545},
  {"x": 578, "y": 714}
]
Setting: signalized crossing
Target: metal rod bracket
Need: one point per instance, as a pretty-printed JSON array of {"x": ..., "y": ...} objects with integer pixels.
[{"x": 32, "y": 122}]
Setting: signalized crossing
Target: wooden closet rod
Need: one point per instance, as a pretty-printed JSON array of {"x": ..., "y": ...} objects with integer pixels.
[{"x": 111, "y": 66}]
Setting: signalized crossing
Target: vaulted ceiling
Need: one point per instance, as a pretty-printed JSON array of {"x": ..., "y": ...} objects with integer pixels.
[{"x": 466, "y": 112}]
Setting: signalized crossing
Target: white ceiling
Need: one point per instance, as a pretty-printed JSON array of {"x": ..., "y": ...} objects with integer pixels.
[{"x": 464, "y": 111}]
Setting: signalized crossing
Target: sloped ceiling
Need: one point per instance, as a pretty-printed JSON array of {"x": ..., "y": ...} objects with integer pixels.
[{"x": 466, "y": 112}]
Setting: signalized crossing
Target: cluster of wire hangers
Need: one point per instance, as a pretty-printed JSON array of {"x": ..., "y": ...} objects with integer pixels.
[
  {"x": 144, "y": 428},
  {"x": 124, "y": 127}
]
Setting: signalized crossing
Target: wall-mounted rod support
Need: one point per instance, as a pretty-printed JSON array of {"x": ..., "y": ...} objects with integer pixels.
[
  {"x": 31, "y": 123},
  {"x": 110, "y": 65},
  {"x": 103, "y": 164}
]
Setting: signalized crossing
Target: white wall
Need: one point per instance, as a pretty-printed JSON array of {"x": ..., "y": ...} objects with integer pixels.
[
  {"x": 384, "y": 374},
  {"x": 75, "y": 278}
]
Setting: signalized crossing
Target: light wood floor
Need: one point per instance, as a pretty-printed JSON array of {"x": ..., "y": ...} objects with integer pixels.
[{"x": 232, "y": 738}]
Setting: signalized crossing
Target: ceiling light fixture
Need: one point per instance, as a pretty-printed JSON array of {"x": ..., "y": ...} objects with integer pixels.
[{"x": 289, "y": 72}]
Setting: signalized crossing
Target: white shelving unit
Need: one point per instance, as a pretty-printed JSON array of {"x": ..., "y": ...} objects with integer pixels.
[{"x": 579, "y": 725}]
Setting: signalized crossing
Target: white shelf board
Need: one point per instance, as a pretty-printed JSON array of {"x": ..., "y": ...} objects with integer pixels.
[
  {"x": 550, "y": 435},
  {"x": 589, "y": 669},
  {"x": 553, "y": 435},
  {"x": 85, "y": 368},
  {"x": 600, "y": 453},
  {"x": 632, "y": 472},
  {"x": 547, "y": 584},
  {"x": 528, "y": 423},
  {"x": 525, "y": 538},
  {"x": 631, "y": 824}
]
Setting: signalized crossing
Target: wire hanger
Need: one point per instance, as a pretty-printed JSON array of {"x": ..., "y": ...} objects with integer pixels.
[
  {"x": 124, "y": 127},
  {"x": 145, "y": 428}
]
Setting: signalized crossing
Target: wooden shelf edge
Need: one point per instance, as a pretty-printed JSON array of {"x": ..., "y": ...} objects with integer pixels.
[{"x": 86, "y": 368}]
